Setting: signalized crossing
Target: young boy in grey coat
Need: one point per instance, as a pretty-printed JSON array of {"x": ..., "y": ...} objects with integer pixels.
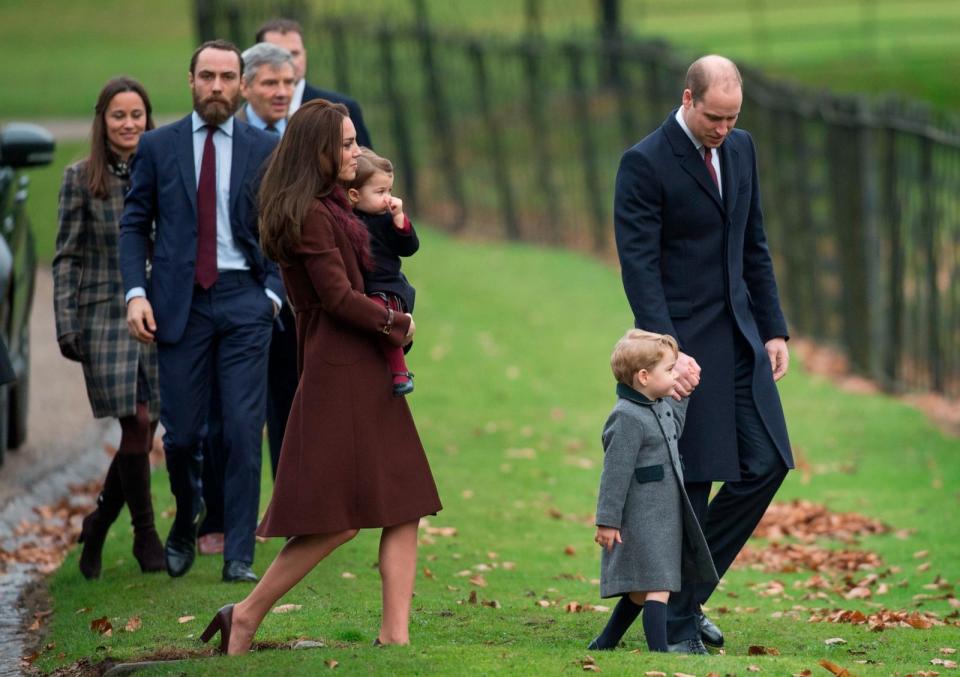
[{"x": 645, "y": 523}]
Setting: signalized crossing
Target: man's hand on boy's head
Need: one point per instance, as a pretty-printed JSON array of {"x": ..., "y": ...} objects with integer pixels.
[
  {"x": 688, "y": 376},
  {"x": 606, "y": 537},
  {"x": 396, "y": 209}
]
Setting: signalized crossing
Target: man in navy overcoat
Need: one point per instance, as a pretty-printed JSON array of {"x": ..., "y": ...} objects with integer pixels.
[
  {"x": 695, "y": 265},
  {"x": 210, "y": 300}
]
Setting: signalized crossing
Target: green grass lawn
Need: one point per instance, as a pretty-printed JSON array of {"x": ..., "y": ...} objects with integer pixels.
[
  {"x": 62, "y": 51},
  {"x": 513, "y": 386}
]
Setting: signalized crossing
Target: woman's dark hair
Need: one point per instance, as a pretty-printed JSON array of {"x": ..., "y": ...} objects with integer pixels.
[
  {"x": 97, "y": 163},
  {"x": 303, "y": 168}
]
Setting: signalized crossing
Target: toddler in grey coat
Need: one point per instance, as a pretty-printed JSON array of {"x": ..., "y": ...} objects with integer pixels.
[{"x": 645, "y": 524}]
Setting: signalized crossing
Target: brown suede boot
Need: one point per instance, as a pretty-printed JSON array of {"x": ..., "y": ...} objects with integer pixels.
[
  {"x": 135, "y": 477},
  {"x": 96, "y": 524}
]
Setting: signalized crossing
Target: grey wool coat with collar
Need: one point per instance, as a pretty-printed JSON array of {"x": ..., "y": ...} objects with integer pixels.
[
  {"x": 642, "y": 495},
  {"x": 88, "y": 297}
]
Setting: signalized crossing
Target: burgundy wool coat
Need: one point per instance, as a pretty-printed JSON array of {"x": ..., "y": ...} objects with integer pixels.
[{"x": 351, "y": 455}]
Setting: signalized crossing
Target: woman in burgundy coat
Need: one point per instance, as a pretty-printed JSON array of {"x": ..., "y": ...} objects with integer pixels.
[{"x": 351, "y": 456}]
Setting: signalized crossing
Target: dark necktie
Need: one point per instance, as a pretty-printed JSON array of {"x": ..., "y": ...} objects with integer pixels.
[
  {"x": 272, "y": 129},
  {"x": 206, "y": 272},
  {"x": 708, "y": 158}
]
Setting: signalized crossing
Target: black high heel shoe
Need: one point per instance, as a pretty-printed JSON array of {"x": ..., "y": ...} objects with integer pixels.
[{"x": 221, "y": 623}]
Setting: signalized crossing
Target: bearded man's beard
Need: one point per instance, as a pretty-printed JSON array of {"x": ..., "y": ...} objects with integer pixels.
[{"x": 215, "y": 109}]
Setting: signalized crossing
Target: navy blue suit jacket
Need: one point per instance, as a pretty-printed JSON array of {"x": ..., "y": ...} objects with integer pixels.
[
  {"x": 696, "y": 266},
  {"x": 356, "y": 115},
  {"x": 163, "y": 191}
]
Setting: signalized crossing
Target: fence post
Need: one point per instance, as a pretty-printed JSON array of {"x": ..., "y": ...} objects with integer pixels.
[
  {"x": 501, "y": 174},
  {"x": 533, "y": 18},
  {"x": 341, "y": 61},
  {"x": 893, "y": 210},
  {"x": 533, "y": 51},
  {"x": 591, "y": 180},
  {"x": 401, "y": 125},
  {"x": 441, "y": 116},
  {"x": 804, "y": 268},
  {"x": 870, "y": 215},
  {"x": 626, "y": 101},
  {"x": 610, "y": 35},
  {"x": 846, "y": 192},
  {"x": 235, "y": 23},
  {"x": 928, "y": 231},
  {"x": 206, "y": 27}
]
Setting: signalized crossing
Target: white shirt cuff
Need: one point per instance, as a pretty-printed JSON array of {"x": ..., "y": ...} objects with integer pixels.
[
  {"x": 274, "y": 298},
  {"x": 134, "y": 293}
]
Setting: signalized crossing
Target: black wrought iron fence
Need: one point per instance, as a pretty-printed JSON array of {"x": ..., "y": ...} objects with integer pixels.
[{"x": 520, "y": 137}]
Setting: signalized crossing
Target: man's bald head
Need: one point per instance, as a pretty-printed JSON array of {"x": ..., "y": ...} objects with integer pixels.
[{"x": 712, "y": 70}]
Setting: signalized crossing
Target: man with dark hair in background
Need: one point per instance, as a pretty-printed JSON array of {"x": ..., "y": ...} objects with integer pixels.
[{"x": 283, "y": 374}]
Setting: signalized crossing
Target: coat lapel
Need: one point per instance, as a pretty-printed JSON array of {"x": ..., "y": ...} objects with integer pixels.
[
  {"x": 730, "y": 175},
  {"x": 184, "y": 145},
  {"x": 690, "y": 159},
  {"x": 241, "y": 151}
]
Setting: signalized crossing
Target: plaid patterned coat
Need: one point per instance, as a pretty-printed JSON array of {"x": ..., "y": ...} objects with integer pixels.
[{"x": 88, "y": 297}]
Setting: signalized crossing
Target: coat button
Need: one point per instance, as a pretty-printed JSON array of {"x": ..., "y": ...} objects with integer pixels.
[{"x": 668, "y": 413}]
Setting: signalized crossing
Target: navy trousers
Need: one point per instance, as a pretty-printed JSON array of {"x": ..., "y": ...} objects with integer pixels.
[
  {"x": 225, "y": 342},
  {"x": 730, "y": 518},
  {"x": 282, "y": 381}
]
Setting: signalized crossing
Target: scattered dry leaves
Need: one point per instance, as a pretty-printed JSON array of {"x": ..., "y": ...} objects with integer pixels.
[
  {"x": 102, "y": 626},
  {"x": 806, "y": 521},
  {"x": 756, "y": 650},
  {"x": 834, "y": 668}
]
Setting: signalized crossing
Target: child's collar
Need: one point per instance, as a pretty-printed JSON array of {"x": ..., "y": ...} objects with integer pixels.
[{"x": 628, "y": 393}]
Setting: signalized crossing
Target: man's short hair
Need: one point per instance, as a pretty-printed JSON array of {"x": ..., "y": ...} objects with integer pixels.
[
  {"x": 639, "y": 349},
  {"x": 263, "y": 54},
  {"x": 224, "y": 45},
  {"x": 278, "y": 26}
]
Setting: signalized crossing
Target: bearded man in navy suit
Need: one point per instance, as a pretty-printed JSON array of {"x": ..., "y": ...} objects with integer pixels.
[
  {"x": 210, "y": 301},
  {"x": 695, "y": 265}
]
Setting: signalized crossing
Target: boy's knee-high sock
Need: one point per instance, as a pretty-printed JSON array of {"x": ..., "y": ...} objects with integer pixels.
[
  {"x": 655, "y": 625},
  {"x": 621, "y": 618}
]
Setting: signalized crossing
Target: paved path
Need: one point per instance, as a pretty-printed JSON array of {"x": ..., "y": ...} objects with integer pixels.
[
  {"x": 64, "y": 446},
  {"x": 78, "y": 129}
]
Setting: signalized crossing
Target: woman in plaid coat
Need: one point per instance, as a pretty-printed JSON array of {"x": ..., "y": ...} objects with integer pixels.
[{"x": 120, "y": 373}]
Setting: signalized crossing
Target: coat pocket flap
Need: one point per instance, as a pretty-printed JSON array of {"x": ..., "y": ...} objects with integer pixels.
[{"x": 649, "y": 473}]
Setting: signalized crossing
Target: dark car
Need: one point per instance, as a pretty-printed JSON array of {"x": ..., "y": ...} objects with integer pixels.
[{"x": 21, "y": 146}]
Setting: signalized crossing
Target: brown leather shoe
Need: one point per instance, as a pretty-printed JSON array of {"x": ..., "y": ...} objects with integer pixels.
[{"x": 211, "y": 544}]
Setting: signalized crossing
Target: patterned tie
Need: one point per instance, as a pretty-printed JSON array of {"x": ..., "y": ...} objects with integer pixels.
[
  {"x": 708, "y": 158},
  {"x": 206, "y": 271},
  {"x": 273, "y": 130}
]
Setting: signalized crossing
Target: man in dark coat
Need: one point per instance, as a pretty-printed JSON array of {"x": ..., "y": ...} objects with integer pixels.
[
  {"x": 211, "y": 299},
  {"x": 695, "y": 265},
  {"x": 283, "y": 377}
]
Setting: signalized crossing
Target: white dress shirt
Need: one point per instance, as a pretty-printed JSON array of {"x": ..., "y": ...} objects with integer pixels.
[
  {"x": 297, "y": 100},
  {"x": 714, "y": 157},
  {"x": 258, "y": 122},
  {"x": 229, "y": 256}
]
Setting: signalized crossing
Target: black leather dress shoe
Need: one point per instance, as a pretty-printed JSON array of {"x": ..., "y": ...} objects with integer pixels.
[
  {"x": 709, "y": 632},
  {"x": 690, "y": 646},
  {"x": 181, "y": 547},
  {"x": 235, "y": 571}
]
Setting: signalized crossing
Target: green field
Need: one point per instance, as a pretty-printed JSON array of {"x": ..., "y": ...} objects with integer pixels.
[
  {"x": 511, "y": 394},
  {"x": 65, "y": 49}
]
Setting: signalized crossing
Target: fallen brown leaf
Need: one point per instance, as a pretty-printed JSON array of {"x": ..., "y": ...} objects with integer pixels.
[
  {"x": 101, "y": 625},
  {"x": 654, "y": 673},
  {"x": 133, "y": 624},
  {"x": 948, "y": 651},
  {"x": 478, "y": 580},
  {"x": 569, "y": 550},
  {"x": 756, "y": 650},
  {"x": 834, "y": 668},
  {"x": 185, "y": 619},
  {"x": 331, "y": 663},
  {"x": 834, "y": 641},
  {"x": 573, "y": 607},
  {"x": 753, "y": 668}
]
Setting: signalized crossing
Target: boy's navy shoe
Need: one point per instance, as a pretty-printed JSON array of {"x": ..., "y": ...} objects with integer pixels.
[{"x": 709, "y": 632}]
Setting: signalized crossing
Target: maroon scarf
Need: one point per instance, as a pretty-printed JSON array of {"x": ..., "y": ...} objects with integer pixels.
[{"x": 338, "y": 204}]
